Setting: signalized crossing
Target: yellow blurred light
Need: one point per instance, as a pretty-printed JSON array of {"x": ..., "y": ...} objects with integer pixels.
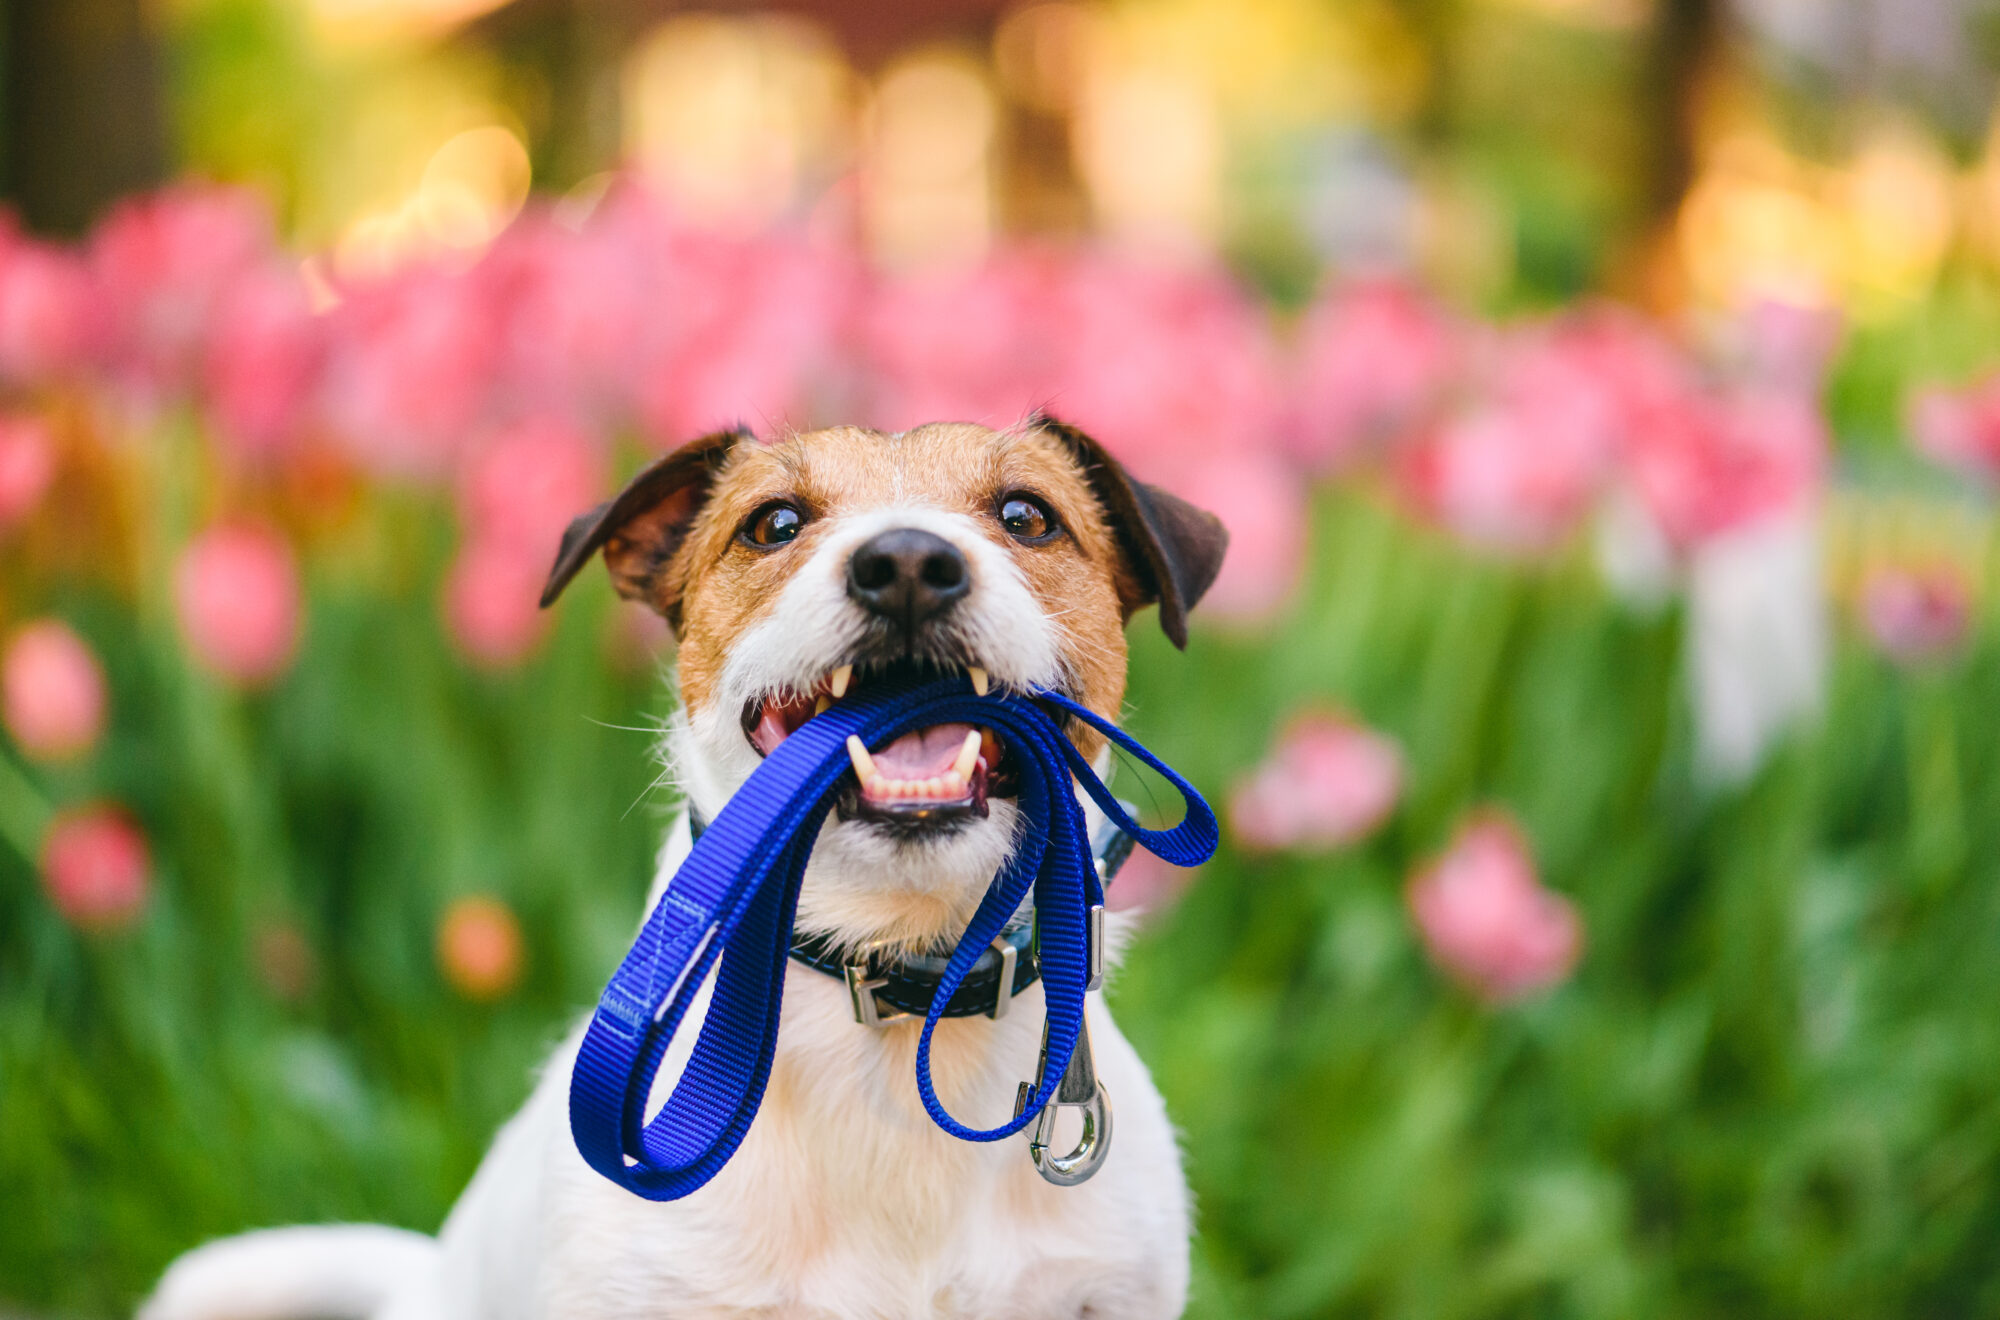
[
  {"x": 355, "y": 21},
  {"x": 473, "y": 187},
  {"x": 1897, "y": 200},
  {"x": 1608, "y": 15},
  {"x": 378, "y": 243},
  {"x": 1149, "y": 147},
  {"x": 1272, "y": 65},
  {"x": 927, "y": 171},
  {"x": 1761, "y": 223},
  {"x": 729, "y": 116}
]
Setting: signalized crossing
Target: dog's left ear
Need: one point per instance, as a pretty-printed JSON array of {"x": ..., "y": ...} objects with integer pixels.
[
  {"x": 1175, "y": 550},
  {"x": 643, "y": 525}
]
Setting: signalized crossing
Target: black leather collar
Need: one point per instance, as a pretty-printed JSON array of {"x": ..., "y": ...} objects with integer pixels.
[{"x": 905, "y": 983}]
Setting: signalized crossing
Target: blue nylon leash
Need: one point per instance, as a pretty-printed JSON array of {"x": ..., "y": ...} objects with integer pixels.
[{"x": 737, "y": 893}]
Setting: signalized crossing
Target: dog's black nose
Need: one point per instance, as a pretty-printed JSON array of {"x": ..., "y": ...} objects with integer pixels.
[{"x": 907, "y": 576}]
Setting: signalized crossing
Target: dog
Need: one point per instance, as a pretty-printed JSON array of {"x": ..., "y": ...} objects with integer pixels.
[{"x": 791, "y": 573}]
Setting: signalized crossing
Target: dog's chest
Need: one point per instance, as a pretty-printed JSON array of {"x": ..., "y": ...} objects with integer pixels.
[
  {"x": 992, "y": 1242},
  {"x": 850, "y": 1266},
  {"x": 846, "y": 1201}
]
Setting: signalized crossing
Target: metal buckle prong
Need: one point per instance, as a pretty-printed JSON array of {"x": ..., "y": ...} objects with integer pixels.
[
  {"x": 1096, "y": 938},
  {"x": 862, "y": 985},
  {"x": 1003, "y": 993}
]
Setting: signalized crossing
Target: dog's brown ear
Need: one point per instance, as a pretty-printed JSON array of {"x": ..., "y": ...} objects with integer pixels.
[
  {"x": 643, "y": 525},
  {"x": 1175, "y": 550}
]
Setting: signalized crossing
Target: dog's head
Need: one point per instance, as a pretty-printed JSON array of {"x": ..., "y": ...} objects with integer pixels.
[{"x": 792, "y": 572}]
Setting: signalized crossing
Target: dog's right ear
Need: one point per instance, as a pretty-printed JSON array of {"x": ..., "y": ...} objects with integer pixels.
[{"x": 643, "y": 525}]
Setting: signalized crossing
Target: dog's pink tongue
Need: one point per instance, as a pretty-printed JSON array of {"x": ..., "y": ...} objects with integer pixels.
[{"x": 922, "y": 753}]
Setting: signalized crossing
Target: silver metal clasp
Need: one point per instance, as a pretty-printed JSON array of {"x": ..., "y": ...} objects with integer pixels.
[
  {"x": 1079, "y": 1089},
  {"x": 862, "y": 984}
]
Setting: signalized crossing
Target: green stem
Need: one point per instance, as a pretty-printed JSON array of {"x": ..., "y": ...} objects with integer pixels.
[{"x": 24, "y": 811}]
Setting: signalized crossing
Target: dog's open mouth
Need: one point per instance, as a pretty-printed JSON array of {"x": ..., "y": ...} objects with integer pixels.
[{"x": 933, "y": 776}]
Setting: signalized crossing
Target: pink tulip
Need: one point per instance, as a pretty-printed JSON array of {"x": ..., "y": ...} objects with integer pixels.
[
  {"x": 165, "y": 262},
  {"x": 51, "y": 311},
  {"x": 95, "y": 867},
  {"x": 1705, "y": 464},
  {"x": 1147, "y": 886},
  {"x": 411, "y": 369},
  {"x": 1485, "y": 917},
  {"x": 264, "y": 353},
  {"x": 1506, "y": 477},
  {"x": 1263, "y": 504},
  {"x": 27, "y": 466},
  {"x": 1959, "y": 429},
  {"x": 1375, "y": 357},
  {"x": 756, "y": 326},
  {"x": 1917, "y": 614},
  {"x": 1787, "y": 345},
  {"x": 491, "y": 601},
  {"x": 237, "y": 588},
  {"x": 964, "y": 343},
  {"x": 525, "y": 484},
  {"x": 574, "y": 313},
  {"x": 1527, "y": 453},
  {"x": 51, "y": 691},
  {"x": 1328, "y": 782},
  {"x": 1172, "y": 367}
]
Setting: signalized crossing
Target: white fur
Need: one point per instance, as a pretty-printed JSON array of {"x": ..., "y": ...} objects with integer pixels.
[{"x": 844, "y": 1200}]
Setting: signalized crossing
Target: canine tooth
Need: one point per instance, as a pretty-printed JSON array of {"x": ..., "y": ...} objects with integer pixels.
[
  {"x": 968, "y": 756},
  {"x": 978, "y": 677},
  {"x": 864, "y": 764},
  {"x": 819, "y": 707},
  {"x": 842, "y": 676}
]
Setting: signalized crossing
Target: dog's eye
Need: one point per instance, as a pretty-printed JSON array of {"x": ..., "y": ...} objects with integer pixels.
[
  {"x": 1025, "y": 518},
  {"x": 773, "y": 525}
]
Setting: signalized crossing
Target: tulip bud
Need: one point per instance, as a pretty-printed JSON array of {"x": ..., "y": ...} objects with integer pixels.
[
  {"x": 95, "y": 867},
  {"x": 51, "y": 691}
]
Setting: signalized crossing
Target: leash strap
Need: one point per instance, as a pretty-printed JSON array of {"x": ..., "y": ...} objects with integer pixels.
[{"x": 735, "y": 897}]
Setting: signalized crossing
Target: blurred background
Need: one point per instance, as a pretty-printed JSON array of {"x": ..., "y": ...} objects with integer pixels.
[{"x": 1600, "y": 692}]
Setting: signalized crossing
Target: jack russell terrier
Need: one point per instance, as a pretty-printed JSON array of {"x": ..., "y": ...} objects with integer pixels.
[{"x": 790, "y": 573}]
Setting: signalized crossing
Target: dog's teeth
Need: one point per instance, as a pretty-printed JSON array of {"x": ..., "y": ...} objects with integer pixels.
[
  {"x": 978, "y": 677},
  {"x": 968, "y": 756},
  {"x": 864, "y": 764},
  {"x": 837, "y": 685},
  {"x": 819, "y": 707},
  {"x": 952, "y": 785}
]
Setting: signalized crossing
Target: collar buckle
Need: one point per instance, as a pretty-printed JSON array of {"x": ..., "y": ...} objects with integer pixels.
[{"x": 863, "y": 981}]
